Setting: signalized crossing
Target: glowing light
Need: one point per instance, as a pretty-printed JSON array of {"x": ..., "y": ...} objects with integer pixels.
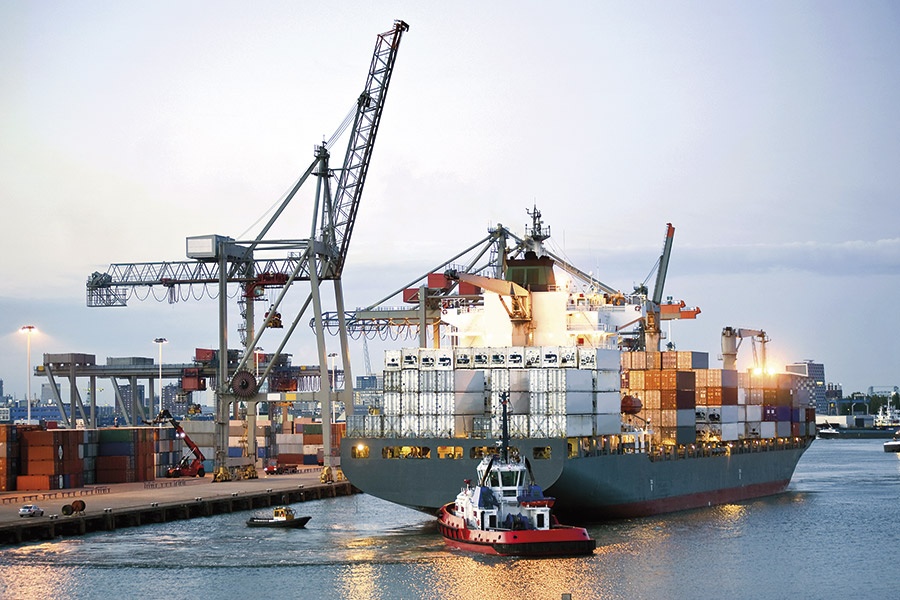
[{"x": 757, "y": 371}]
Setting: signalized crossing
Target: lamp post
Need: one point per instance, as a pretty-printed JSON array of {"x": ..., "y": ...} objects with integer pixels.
[
  {"x": 28, "y": 330},
  {"x": 256, "y": 353},
  {"x": 332, "y": 356},
  {"x": 159, "y": 342}
]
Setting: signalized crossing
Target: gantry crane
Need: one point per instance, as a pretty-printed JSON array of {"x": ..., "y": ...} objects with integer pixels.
[{"x": 219, "y": 260}]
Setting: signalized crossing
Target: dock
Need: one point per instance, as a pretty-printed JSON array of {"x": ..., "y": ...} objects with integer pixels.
[{"x": 115, "y": 506}]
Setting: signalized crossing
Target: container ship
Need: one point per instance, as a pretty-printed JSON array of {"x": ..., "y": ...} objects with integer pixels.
[{"x": 612, "y": 427}]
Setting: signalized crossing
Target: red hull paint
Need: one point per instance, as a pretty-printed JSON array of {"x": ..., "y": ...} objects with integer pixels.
[{"x": 556, "y": 541}]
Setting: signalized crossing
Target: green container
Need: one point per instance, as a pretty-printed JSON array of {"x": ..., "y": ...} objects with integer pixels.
[{"x": 117, "y": 434}]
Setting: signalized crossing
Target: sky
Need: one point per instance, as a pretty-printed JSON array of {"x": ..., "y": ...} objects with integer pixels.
[{"x": 765, "y": 132}]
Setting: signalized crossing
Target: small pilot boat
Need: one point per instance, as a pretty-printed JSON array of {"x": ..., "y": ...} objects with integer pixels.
[{"x": 282, "y": 516}]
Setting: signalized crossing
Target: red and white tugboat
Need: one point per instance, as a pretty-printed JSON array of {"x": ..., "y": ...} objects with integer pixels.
[{"x": 508, "y": 514}]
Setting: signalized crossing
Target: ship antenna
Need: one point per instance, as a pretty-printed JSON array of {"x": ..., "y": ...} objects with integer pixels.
[{"x": 504, "y": 449}]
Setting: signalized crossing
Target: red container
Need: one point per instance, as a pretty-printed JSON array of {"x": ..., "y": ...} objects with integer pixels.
[
  {"x": 204, "y": 355},
  {"x": 467, "y": 289},
  {"x": 438, "y": 281}
]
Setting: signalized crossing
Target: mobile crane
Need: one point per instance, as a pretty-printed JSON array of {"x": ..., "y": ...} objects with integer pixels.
[{"x": 187, "y": 467}]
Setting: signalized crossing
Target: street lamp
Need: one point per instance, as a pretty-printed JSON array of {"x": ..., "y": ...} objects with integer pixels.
[
  {"x": 28, "y": 330},
  {"x": 256, "y": 353},
  {"x": 159, "y": 342},
  {"x": 332, "y": 356}
]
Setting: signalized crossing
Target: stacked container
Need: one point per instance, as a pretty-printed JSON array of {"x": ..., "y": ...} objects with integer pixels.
[
  {"x": 125, "y": 455},
  {"x": 685, "y": 401},
  {"x": 9, "y": 457},
  {"x": 50, "y": 459},
  {"x": 551, "y": 391}
]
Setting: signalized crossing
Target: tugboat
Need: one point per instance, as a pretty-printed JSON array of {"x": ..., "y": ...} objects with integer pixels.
[
  {"x": 894, "y": 444},
  {"x": 282, "y": 516},
  {"x": 505, "y": 515}
]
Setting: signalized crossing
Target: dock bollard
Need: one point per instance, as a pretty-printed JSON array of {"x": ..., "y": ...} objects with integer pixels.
[{"x": 198, "y": 499}]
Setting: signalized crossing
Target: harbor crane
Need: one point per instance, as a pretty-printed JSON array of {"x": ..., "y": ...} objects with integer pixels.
[
  {"x": 731, "y": 342},
  {"x": 218, "y": 261}
]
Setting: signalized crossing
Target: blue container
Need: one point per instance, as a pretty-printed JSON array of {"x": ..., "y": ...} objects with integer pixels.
[
  {"x": 234, "y": 452},
  {"x": 262, "y": 453},
  {"x": 116, "y": 449},
  {"x": 310, "y": 459}
]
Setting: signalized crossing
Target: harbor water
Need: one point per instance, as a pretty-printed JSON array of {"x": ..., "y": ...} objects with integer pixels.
[{"x": 828, "y": 536}]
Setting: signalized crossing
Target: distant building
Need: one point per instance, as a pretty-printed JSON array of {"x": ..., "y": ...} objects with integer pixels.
[
  {"x": 47, "y": 392},
  {"x": 814, "y": 385},
  {"x": 834, "y": 395}
]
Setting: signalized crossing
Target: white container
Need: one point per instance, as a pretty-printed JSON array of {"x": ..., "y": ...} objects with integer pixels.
[
  {"x": 518, "y": 426},
  {"x": 499, "y": 380},
  {"x": 427, "y": 359},
  {"x": 550, "y": 357},
  {"x": 729, "y": 414},
  {"x": 409, "y": 358},
  {"x": 767, "y": 429},
  {"x": 556, "y": 403},
  {"x": 579, "y": 425},
  {"x": 428, "y": 403},
  {"x": 701, "y": 414},
  {"x": 577, "y": 380},
  {"x": 392, "y": 380},
  {"x": 392, "y": 360},
  {"x": 409, "y": 380},
  {"x": 480, "y": 358},
  {"x": 516, "y": 357},
  {"x": 443, "y": 359},
  {"x": 445, "y": 403},
  {"x": 538, "y": 381},
  {"x": 498, "y": 357},
  {"x": 390, "y": 403},
  {"x": 607, "y": 359},
  {"x": 752, "y": 430},
  {"x": 462, "y": 358},
  {"x": 519, "y": 380},
  {"x": 607, "y": 424},
  {"x": 468, "y": 381},
  {"x": 532, "y": 357},
  {"x": 754, "y": 412},
  {"x": 469, "y": 403},
  {"x": 556, "y": 426},
  {"x": 446, "y": 382},
  {"x": 538, "y": 425},
  {"x": 568, "y": 357},
  {"x": 539, "y": 403},
  {"x": 587, "y": 358},
  {"x": 409, "y": 403},
  {"x": 608, "y": 403},
  {"x": 715, "y": 414},
  {"x": 580, "y": 403},
  {"x": 729, "y": 432},
  {"x": 607, "y": 381},
  {"x": 428, "y": 381}
]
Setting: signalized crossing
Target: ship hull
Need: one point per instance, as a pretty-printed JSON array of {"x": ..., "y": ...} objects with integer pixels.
[{"x": 587, "y": 488}]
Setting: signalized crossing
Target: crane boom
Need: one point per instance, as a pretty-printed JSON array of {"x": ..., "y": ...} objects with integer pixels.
[
  {"x": 663, "y": 265},
  {"x": 362, "y": 139}
]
